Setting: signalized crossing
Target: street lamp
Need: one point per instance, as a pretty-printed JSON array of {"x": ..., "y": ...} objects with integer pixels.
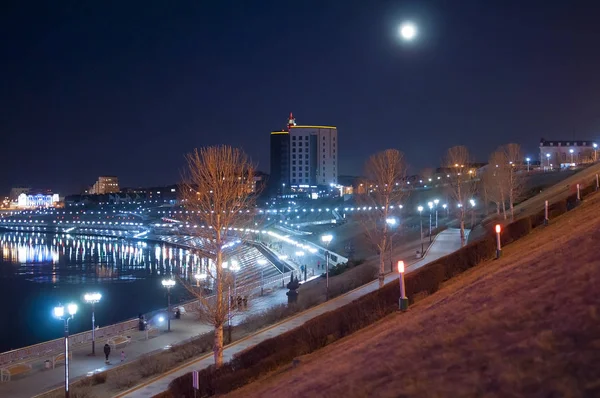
[
  {"x": 420, "y": 209},
  {"x": 168, "y": 283},
  {"x": 571, "y": 152},
  {"x": 59, "y": 312},
  {"x": 436, "y": 202},
  {"x": 595, "y": 149},
  {"x": 326, "y": 239},
  {"x": 548, "y": 159},
  {"x": 528, "y": 160},
  {"x": 391, "y": 221},
  {"x": 93, "y": 298},
  {"x": 430, "y": 205},
  {"x": 403, "y": 301},
  {"x": 445, "y": 207},
  {"x": 472, "y": 202}
]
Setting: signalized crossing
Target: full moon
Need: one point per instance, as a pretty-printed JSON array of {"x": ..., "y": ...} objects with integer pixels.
[{"x": 408, "y": 31}]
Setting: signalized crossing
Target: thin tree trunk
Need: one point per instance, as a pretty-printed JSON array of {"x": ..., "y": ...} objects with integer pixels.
[
  {"x": 463, "y": 239},
  {"x": 497, "y": 208},
  {"x": 382, "y": 262},
  {"x": 218, "y": 345}
]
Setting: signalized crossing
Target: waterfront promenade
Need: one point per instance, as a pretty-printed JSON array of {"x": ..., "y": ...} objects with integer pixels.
[
  {"x": 445, "y": 243},
  {"x": 40, "y": 380}
]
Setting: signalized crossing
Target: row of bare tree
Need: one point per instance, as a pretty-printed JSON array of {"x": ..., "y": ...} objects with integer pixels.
[{"x": 216, "y": 192}]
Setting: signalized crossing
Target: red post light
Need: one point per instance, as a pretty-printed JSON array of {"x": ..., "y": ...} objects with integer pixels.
[
  {"x": 401, "y": 266},
  {"x": 498, "y": 242}
]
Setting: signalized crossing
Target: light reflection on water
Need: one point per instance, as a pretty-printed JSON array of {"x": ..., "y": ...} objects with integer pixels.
[
  {"x": 63, "y": 258},
  {"x": 39, "y": 271}
]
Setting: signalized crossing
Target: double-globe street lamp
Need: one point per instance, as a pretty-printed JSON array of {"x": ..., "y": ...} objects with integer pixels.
[
  {"x": 66, "y": 316},
  {"x": 93, "y": 298},
  {"x": 327, "y": 238},
  {"x": 168, "y": 283}
]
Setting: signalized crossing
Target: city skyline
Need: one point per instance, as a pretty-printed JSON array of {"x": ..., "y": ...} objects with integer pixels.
[{"x": 93, "y": 91}]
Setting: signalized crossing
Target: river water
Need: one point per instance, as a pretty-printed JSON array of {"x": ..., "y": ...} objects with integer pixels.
[{"x": 39, "y": 271}]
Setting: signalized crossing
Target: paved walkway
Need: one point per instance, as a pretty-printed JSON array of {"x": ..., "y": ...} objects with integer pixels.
[
  {"x": 40, "y": 380},
  {"x": 445, "y": 243}
]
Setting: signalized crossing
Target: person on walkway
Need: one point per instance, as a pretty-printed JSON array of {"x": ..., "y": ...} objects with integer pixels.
[
  {"x": 106, "y": 351},
  {"x": 122, "y": 356}
]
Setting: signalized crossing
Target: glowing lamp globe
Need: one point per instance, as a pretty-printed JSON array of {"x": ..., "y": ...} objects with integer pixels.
[
  {"x": 498, "y": 228},
  {"x": 401, "y": 266}
]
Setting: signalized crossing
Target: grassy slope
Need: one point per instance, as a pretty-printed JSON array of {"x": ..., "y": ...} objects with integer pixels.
[{"x": 528, "y": 324}]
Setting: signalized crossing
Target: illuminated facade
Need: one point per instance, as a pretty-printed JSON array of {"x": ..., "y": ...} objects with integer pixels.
[
  {"x": 554, "y": 154},
  {"x": 34, "y": 200},
  {"x": 313, "y": 155},
  {"x": 104, "y": 185}
]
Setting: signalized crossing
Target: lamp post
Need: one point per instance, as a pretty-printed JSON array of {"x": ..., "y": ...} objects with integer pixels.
[
  {"x": 445, "y": 207},
  {"x": 430, "y": 205},
  {"x": 391, "y": 221},
  {"x": 262, "y": 261},
  {"x": 403, "y": 301},
  {"x": 548, "y": 159},
  {"x": 59, "y": 312},
  {"x": 436, "y": 202},
  {"x": 595, "y": 150},
  {"x": 498, "y": 244},
  {"x": 472, "y": 202},
  {"x": 420, "y": 209},
  {"x": 571, "y": 152},
  {"x": 93, "y": 298},
  {"x": 168, "y": 283},
  {"x": 326, "y": 239},
  {"x": 528, "y": 160}
]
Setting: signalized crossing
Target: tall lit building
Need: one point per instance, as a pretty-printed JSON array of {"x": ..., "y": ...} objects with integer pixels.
[
  {"x": 311, "y": 153},
  {"x": 104, "y": 185},
  {"x": 280, "y": 161}
]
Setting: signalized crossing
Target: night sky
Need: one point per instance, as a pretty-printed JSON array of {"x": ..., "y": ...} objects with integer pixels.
[{"x": 126, "y": 88}]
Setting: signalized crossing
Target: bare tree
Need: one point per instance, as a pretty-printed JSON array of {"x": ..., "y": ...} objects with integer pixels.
[
  {"x": 385, "y": 173},
  {"x": 218, "y": 194},
  {"x": 514, "y": 177},
  {"x": 495, "y": 179},
  {"x": 461, "y": 186}
]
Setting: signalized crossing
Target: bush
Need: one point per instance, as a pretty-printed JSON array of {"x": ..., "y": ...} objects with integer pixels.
[
  {"x": 121, "y": 378},
  {"x": 99, "y": 378},
  {"x": 152, "y": 365},
  {"x": 557, "y": 209},
  {"x": 516, "y": 230}
]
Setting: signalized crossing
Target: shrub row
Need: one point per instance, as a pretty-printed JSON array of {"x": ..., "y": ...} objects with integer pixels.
[{"x": 268, "y": 355}]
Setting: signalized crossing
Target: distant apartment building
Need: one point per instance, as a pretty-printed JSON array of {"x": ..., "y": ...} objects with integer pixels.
[
  {"x": 556, "y": 154},
  {"x": 104, "y": 185},
  {"x": 311, "y": 152}
]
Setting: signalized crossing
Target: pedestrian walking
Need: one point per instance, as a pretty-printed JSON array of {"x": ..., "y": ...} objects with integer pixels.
[
  {"x": 122, "y": 356},
  {"x": 106, "y": 351}
]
